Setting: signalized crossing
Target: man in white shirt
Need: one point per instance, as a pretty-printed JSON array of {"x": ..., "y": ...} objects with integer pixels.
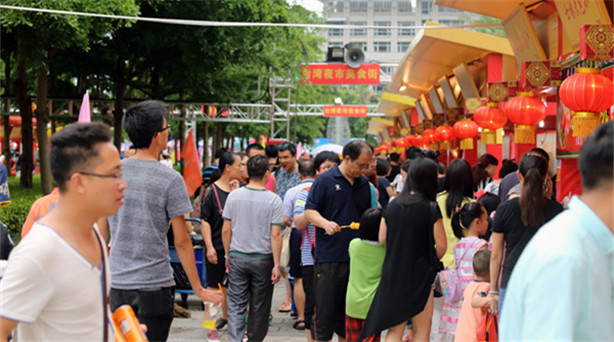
[{"x": 57, "y": 282}]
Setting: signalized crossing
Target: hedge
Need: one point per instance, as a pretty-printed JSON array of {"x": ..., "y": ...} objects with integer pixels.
[{"x": 14, "y": 215}]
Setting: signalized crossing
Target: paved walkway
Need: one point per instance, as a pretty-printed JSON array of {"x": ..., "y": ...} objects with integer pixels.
[{"x": 190, "y": 329}]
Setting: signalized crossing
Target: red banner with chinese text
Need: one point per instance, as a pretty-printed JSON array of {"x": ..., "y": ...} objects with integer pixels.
[
  {"x": 348, "y": 111},
  {"x": 340, "y": 74}
]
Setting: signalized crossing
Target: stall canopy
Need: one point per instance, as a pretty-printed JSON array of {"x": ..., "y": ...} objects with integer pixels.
[
  {"x": 492, "y": 8},
  {"x": 433, "y": 54}
]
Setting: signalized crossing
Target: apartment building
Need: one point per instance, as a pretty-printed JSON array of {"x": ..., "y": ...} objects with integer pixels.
[{"x": 385, "y": 45}]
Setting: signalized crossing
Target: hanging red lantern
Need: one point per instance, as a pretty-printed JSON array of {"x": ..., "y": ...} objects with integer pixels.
[
  {"x": 446, "y": 135},
  {"x": 490, "y": 117},
  {"x": 587, "y": 93},
  {"x": 419, "y": 141},
  {"x": 400, "y": 143},
  {"x": 525, "y": 111},
  {"x": 466, "y": 130},
  {"x": 409, "y": 140},
  {"x": 431, "y": 137}
]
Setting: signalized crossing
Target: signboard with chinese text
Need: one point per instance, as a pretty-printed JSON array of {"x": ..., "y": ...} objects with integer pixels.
[
  {"x": 349, "y": 111},
  {"x": 576, "y": 13},
  {"x": 340, "y": 74},
  {"x": 522, "y": 36}
]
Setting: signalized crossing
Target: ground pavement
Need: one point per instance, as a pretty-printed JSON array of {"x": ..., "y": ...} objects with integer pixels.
[{"x": 190, "y": 329}]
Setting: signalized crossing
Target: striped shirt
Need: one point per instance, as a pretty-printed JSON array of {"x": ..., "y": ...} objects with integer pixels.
[{"x": 309, "y": 231}]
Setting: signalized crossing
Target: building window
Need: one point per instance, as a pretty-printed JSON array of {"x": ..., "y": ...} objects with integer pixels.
[
  {"x": 427, "y": 7},
  {"x": 358, "y": 6},
  {"x": 381, "y": 46},
  {"x": 335, "y": 32},
  {"x": 335, "y": 44},
  {"x": 382, "y": 32},
  {"x": 407, "y": 31},
  {"x": 443, "y": 9},
  {"x": 386, "y": 70},
  {"x": 402, "y": 46},
  {"x": 405, "y": 7},
  {"x": 451, "y": 22},
  {"x": 358, "y": 31},
  {"x": 336, "y": 6},
  {"x": 364, "y": 46},
  {"x": 381, "y": 6}
]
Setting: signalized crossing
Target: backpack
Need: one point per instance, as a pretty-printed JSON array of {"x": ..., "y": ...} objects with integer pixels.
[{"x": 450, "y": 284}]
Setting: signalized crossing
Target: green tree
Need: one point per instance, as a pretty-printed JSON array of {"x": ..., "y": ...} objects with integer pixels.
[{"x": 46, "y": 34}]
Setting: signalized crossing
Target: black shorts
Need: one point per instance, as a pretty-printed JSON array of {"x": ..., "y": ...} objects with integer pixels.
[
  {"x": 215, "y": 272},
  {"x": 331, "y": 282},
  {"x": 309, "y": 295},
  {"x": 296, "y": 240}
]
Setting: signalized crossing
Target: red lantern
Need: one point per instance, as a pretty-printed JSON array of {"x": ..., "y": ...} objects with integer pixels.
[
  {"x": 419, "y": 141},
  {"x": 525, "y": 111},
  {"x": 431, "y": 137},
  {"x": 409, "y": 140},
  {"x": 446, "y": 134},
  {"x": 587, "y": 93},
  {"x": 466, "y": 130},
  {"x": 399, "y": 143},
  {"x": 490, "y": 117}
]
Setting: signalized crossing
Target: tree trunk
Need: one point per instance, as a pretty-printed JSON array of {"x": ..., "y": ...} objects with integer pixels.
[
  {"x": 182, "y": 131},
  {"x": 206, "y": 161},
  {"x": 5, "y": 120},
  {"x": 118, "y": 115},
  {"x": 42, "y": 118},
  {"x": 25, "y": 108}
]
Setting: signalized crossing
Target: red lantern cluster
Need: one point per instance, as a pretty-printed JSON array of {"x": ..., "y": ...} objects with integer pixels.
[
  {"x": 466, "y": 130},
  {"x": 525, "y": 111},
  {"x": 490, "y": 117},
  {"x": 587, "y": 93},
  {"x": 431, "y": 138}
]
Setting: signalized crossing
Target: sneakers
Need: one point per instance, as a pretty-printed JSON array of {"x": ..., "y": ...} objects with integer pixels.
[
  {"x": 220, "y": 323},
  {"x": 244, "y": 338},
  {"x": 213, "y": 336}
]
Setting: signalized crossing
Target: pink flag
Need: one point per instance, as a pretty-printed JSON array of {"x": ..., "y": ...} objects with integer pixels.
[{"x": 84, "y": 113}]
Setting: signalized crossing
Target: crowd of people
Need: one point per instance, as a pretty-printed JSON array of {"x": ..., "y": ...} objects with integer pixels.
[{"x": 393, "y": 243}]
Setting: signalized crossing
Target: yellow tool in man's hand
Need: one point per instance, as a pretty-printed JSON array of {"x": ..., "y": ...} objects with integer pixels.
[{"x": 353, "y": 226}]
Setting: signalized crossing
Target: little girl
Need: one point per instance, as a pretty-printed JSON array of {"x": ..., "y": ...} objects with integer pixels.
[
  {"x": 366, "y": 259},
  {"x": 468, "y": 223}
]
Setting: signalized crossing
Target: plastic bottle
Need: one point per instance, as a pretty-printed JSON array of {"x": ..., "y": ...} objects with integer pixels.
[{"x": 128, "y": 324}]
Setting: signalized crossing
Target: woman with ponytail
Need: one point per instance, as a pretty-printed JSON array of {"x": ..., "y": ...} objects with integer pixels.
[
  {"x": 468, "y": 223},
  {"x": 518, "y": 219}
]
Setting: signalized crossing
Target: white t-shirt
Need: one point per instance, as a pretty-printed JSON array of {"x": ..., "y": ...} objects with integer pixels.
[{"x": 52, "y": 290}]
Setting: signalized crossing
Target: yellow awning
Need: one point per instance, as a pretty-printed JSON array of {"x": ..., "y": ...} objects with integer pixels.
[
  {"x": 433, "y": 54},
  {"x": 492, "y": 8}
]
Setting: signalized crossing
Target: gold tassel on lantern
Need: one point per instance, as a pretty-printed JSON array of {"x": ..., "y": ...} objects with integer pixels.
[
  {"x": 466, "y": 144},
  {"x": 524, "y": 134},
  {"x": 444, "y": 145},
  {"x": 584, "y": 123},
  {"x": 434, "y": 146},
  {"x": 488, "y": 136}
]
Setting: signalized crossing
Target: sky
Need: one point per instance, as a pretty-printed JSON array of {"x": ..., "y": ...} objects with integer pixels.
[{"x": 312, "y": 5}]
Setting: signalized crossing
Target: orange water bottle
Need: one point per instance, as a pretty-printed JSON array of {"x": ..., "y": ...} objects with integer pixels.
[{"x": 128, "y": 324}]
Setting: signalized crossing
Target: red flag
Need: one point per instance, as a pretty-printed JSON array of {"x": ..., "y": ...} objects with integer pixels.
[{"x": 191, "y": 170}]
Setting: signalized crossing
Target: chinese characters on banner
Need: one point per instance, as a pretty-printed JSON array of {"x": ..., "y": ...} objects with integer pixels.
[
  {"x": 349, "y": 111},
  {"x": 340, "y": 74}
]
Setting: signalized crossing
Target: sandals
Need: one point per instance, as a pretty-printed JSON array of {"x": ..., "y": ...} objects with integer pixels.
[
  {"x": 299, "y": 325},
  {"x": 285, "y": 307}
]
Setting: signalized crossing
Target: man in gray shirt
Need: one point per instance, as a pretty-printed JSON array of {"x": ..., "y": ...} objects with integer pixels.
[
  {"x": 252, "y": 242},
  {"x": 140, "y": 264}
]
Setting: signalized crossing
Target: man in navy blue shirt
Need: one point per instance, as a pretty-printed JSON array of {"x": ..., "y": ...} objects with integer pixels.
[{"x": 337, "y": 198}]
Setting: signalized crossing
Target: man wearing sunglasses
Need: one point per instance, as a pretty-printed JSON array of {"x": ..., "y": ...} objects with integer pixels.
[{"x": 156, "y": 195}]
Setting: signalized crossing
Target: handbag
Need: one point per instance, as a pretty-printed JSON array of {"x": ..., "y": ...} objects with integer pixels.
[
  {"x": 284, "y": 257},
  {"x": 488, "y": 330}
]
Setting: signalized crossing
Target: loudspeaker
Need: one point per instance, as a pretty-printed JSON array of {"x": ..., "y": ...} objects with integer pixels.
[{"x": 354, "y": 57}]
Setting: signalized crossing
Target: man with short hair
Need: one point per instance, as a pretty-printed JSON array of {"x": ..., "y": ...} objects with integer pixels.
[
  {"x": 562, "y": 288},
  {"x": 337, "y": 198},
  {"x": 395, "y": 166},
  {"x": 252, "y": 243},
  {"x": 257, "y": 149},
  {"x": 287, "y": 176},
  {"x": 56, "y": 283},
  {"x": 140, "y": 263}
]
